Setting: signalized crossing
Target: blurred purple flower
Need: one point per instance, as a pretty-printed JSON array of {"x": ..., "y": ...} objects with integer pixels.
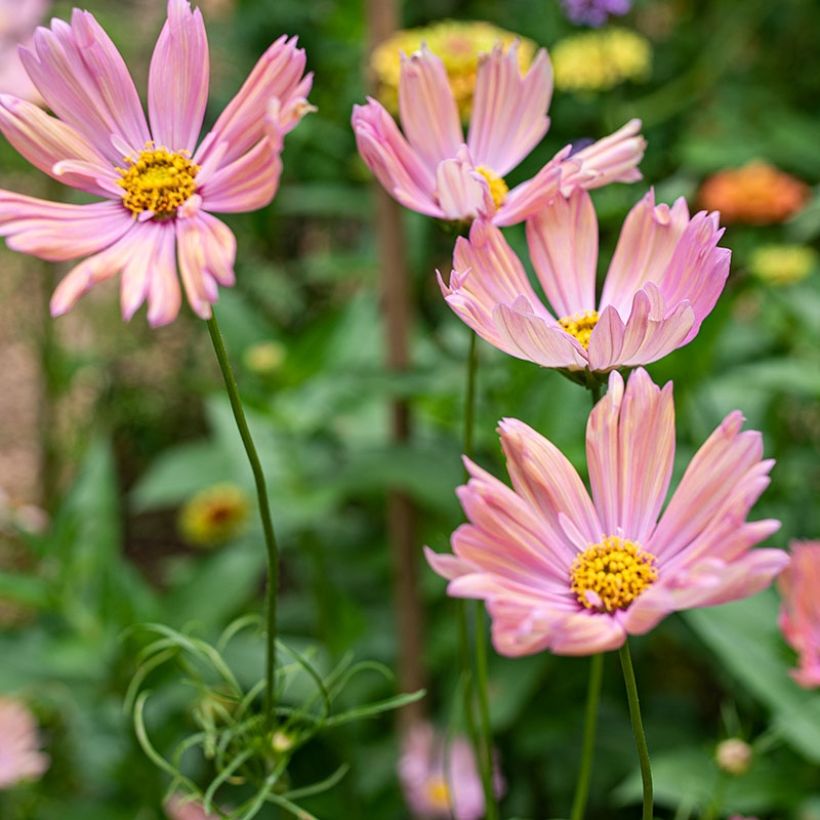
[{"x": 594, "y": 12}]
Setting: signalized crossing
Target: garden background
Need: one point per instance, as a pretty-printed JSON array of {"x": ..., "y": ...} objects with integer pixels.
[{"x": 113, "y": 429}]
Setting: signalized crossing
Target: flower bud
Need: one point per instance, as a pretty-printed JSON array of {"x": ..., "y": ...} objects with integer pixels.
[{"x": 734, "y": 756}]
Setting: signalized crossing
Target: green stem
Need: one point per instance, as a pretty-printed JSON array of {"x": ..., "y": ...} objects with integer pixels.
[
  {"x": 596, "y": 674},
  {"x": 637, "y": 729},
  {"x": 264, "y": 512},
  {"x": 481, "y": 734}
]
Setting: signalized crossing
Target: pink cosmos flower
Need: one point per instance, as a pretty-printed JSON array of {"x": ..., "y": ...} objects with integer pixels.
[
  {"x": 575, "y": 575},
  {"x": 18, "y": 19},
  {"x": 441, "y": 780},
  {"x": 800, "y": 614},
  {"x": 20, "y": 757},
  {"x": 664, "y": 279},
  {"x": 159, "y": 188},
  {"x": 430, "y": 169}
]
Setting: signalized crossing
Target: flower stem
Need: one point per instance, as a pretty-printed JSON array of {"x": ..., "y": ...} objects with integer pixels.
[
  {"x": 264, "y": 513},
  {"x": 637, "y": 729},
  {"x": 596, "y": 674}
]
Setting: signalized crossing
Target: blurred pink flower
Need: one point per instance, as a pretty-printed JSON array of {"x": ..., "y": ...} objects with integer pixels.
[
  {"x": 20, "y": 757},
  {"x": 441, "y": 780},
  {"x": 160, "y": 188},
  {"x": 430, "y": 169},
  {"x": 178, "y": 807},
  {"x": 575, "y": 575},
  {"x": 18, "y": 19},
  {"x": 664, "y": 279},
  {"x": 800, "y": 613}
]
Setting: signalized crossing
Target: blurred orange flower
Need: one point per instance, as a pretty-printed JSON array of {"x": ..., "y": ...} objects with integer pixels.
[{"x": 757, "y": 193}]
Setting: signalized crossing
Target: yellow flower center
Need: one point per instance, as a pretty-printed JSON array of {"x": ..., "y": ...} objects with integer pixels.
[
  {"x": 438, "y": 793},
  {"x": 498, "y": 188},
  {"x": 580, "y": 325},
  {"x": 157, "y": 180},
  {"x": 612, "y": 574}
]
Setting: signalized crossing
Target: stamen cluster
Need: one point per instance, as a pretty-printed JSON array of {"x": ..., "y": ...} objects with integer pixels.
[
  {"x": 157, "y": 180},
  {"x": 580, "y": 325},
  {"x": 498, "y": 187}
]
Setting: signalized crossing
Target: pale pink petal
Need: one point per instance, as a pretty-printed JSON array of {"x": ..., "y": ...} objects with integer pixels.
[
  {"x": 461, "y": 193},
  {"x": 448, "y": 566},
  {"x": 612, "y": 159},
  {"x": 282, "y": 116},
  {"x": 509, "y": 115},
  {"x": 247, "y": 184},
  {"x": 648, "y": 239},
  {"x": 563, "y": 243},
  {"x": 396, "y": 165},
  {"x": 706, "y": 485},
  {"x": 278, "y": 73},
  {"x": 58, "y": 232},
  {"x": 85, "y": 81},
  {"x": 138, "y": 268},
  {"x": 429, "y": 116},
  {"x": 529, "y": 197},
  {"x": 45, "y": 141},
  {"x": 542, "y": 475},
  {"x": 630, "y": 453},
  {"x": 20, "y": 755},
  {"x": 178, "y": 79},
  {"x": 800, "y": 611},
  {"x": 164, "y": 294}
]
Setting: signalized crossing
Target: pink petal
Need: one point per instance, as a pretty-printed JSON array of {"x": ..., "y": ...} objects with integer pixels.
[
  {"x": 509, "y": 115},
  {"x": 178, "y": 79},
  {"x": 429, "y": 116},
  {"x": 630, "y": 453},
  {"x": 396, "y": 165},
  {"x": 45, "y": 141},
  {"x": 648, "y": 240},
  {"x": 529, "y": 197},
  {"x": 563, "y": 243},
  {"x": 247, "y": 184},
  {"x": 706, "y": 486},
  {"x": 164, "y": 295},
  {"x": 58, "y": 232},
  {"x": 447, "y": 566},
  {"x": 612, "y": 159},
  {"x": 242, "y": 124},
  {"x": 85, "y": 81},
  {"x": 138, "y": 268},
  {"x": 460, "y": 191}
]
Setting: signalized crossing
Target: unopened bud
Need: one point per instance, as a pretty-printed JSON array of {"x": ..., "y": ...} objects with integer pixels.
[
  {"x": 281, "y": 742},
  {"x": 734, "y": 756}
]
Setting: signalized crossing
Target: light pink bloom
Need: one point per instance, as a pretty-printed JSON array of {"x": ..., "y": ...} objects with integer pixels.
[
  {"x": 20, "y": 755},
  {"x": 155, "y": 224},
  {"x": 800, "y": 613},
  {"x": 440, "y": 779},
  {"x": 575, "y": 575},
  {"x": 430, "y": 169},
  {"x": 664, "y": 279},
  {"x": 18, "y": 19},
  {"x": 178, "y": 807}
]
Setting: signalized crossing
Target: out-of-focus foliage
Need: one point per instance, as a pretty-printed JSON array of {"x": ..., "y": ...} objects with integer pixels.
[{"x": 729, "y": 83}]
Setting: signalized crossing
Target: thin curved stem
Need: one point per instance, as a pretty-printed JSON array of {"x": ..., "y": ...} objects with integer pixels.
[
  {"x": 637, "y": 729},
  {"x": 264, "y": 513},
  {"x": 596, "y": 675}
]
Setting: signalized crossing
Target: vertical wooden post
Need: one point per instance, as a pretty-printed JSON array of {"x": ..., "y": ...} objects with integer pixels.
[{"x": 382, "y": 18}]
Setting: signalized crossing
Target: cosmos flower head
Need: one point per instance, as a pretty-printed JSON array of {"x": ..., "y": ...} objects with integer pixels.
[
  {"x": 440, "y": 778},
  {"x": 459, "y": 44},
  {"x": 431, "y": 169},
  {"x": 574, "y": 573},
  {"x": 20, "y": 755},
  {"x": 800, "y": 610},
  {"x": 755, "y": 194},
  {"x": 664, "y": 279},
  {"x": 18, "y": 19},
  {"x": 159, "y": 184},
  {"x": 214, "y": 515},
  {"x": 600, "y": 60}
]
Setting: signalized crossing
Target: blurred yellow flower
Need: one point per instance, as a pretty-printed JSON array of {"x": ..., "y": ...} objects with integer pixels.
[
  {"x": 459, "y": 46},
  {"x": 782, "y": 264},
  {"x": 214, "y": 515},
  {"x": 264, "y": 358},
  {"x": 600, "y": 60}
]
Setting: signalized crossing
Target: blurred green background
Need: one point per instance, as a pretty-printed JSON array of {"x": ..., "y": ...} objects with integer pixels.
[{"x": 113, "y": 428}]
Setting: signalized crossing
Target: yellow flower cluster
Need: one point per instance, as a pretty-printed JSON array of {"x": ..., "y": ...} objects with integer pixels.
[
  {"x": 459, "y": 46},
  {"x": 214, "y": 515},
  {"x": 600, "y": 60},
  {"x": 782, "y": 264}
]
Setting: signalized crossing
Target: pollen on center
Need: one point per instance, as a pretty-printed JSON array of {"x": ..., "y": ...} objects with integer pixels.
[
  {"x": 612, "y": 574},
  {"x": 580, "y": 325},
  {"x": 157, "y": 180},
  {"x": 498, "y": 188}
]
